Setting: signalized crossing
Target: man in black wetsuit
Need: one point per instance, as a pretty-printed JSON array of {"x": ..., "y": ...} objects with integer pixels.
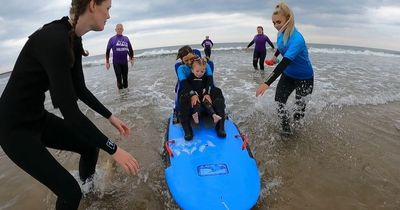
[
  {"x": 121, "y": 47},
  {"x": 52, "y": 60},
  {"x": 207, "y": 44}
]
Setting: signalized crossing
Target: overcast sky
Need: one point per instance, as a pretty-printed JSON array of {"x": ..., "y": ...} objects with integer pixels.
[{"x": 157, "y": 23}]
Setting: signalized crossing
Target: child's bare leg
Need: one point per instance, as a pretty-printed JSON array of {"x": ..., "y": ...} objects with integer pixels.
[
  {"x": 216, "y": 118},
  {"x": 196, "y": 117}
]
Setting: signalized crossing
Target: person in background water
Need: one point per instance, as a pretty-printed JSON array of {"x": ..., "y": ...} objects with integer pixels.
[
  {"x": 295, "y": 68},
  {"x": 121, "y": 47},
  {"x": 187, "y": 101},
  {"x": 207, "y": 45},
  {"x": 52, "y": 60},
  {"x": 260, "y": 51},
  {"x": 201, "y": 85}
]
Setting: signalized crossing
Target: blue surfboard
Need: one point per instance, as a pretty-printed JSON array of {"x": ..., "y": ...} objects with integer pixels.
[{"x": 208, "y": 172}]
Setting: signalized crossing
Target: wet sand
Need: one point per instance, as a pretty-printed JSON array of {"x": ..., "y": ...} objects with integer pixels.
[{"x": 350, "y": 162}]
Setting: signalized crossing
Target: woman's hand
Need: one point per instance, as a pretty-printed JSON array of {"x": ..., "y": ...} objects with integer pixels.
[
  {"x": 273, "y": 59},
  {"x": 123, "y": 129},
  {"x": 126, "y": 161},
  {"x": 269, "y": 62},
  {"x": 194, "y": 100},
  {"x": 208, "y": 98},
  {"x": 261, "y": 89}
]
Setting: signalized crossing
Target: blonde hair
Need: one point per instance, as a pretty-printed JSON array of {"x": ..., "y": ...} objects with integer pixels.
[
  {"x": 200, "y": 61},
  {"x": 287, "y": 29}
]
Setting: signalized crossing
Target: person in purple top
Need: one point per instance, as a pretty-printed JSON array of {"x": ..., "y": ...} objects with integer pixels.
[
  {"x": 260, "y": 51},
  {"x": 121, "y": 47},
  {"x": 207, "y": 45}
]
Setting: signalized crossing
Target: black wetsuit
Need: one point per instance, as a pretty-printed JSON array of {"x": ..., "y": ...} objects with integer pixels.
[
  {"x": 260, "y": 52},
  {"x": 121, "y": 47},
  {"x": 193, "y": 85},
  {"x": 285, "y": 87},
  {"x": 201, "y": 87},
  {"x": 27, "y": 128},
  {"x": 207, "y": 44}
]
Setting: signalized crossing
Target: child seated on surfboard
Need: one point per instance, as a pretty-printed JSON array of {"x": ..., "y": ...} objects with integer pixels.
[
  {"x": 201, "y": 86},
  {"x": 198, "y": 90}
]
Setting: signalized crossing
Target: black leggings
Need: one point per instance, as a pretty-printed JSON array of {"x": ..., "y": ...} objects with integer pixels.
[
  {"x": 206, "y": 104},
  {"x": 259, "y": 57},
  {"x": 207, "y": 52},
  {"x": 26, "y": 147},
  {"x": 218, "y": 103},
  {"x": 121, "y": 72},
  {"x": 286, "y": 86}
]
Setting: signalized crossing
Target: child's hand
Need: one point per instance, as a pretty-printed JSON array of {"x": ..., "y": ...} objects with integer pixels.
[
  {"x": 208, "y": 98},
  {"x": 194, "y": 100}
]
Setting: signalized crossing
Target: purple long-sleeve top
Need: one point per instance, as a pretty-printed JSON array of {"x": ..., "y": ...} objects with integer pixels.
[
  {"x": 207, "y": 44},
  {"x": 260, "y": 40},
  {"x": 121, "y": 47}
]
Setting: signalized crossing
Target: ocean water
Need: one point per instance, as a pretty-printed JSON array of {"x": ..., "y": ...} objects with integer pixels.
[{"x": 345, "y": 155}]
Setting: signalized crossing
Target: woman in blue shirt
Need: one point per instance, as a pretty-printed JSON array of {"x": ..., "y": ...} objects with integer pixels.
[{"x": 295, "y": 68}]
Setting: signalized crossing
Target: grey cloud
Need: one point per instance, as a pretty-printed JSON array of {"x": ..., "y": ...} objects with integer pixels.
[
  {"x": 331, "y": 13},
  {"x": 18, "y": 19}
]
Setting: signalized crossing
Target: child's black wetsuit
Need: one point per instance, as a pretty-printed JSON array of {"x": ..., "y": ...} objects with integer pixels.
[
  {"x": 193, "y": 85},
  {"x": 201, "y": 87},
  {"x": 27, "y": 128}
]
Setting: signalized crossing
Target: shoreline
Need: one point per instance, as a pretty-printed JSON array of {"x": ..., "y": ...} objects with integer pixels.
[{"x": 233, "y": 44}]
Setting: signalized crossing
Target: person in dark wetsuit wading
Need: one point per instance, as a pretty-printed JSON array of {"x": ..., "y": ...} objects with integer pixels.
[
  {"x": 260, "y": 51},
  {"x": 121, "y": 47},
  {"x": 207, "y": 44},
  {"x": 52, "y": 60}
]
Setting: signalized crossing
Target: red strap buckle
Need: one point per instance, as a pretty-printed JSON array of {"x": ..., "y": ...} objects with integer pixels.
[
  {"x": 168, "y": 148},
  {"x": 244, "y": 139}
]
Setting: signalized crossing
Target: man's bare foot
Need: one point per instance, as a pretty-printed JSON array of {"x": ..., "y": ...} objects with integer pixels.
[
  {"x": 216, "y": 118},
  {"x": 196, "y": 117}
]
